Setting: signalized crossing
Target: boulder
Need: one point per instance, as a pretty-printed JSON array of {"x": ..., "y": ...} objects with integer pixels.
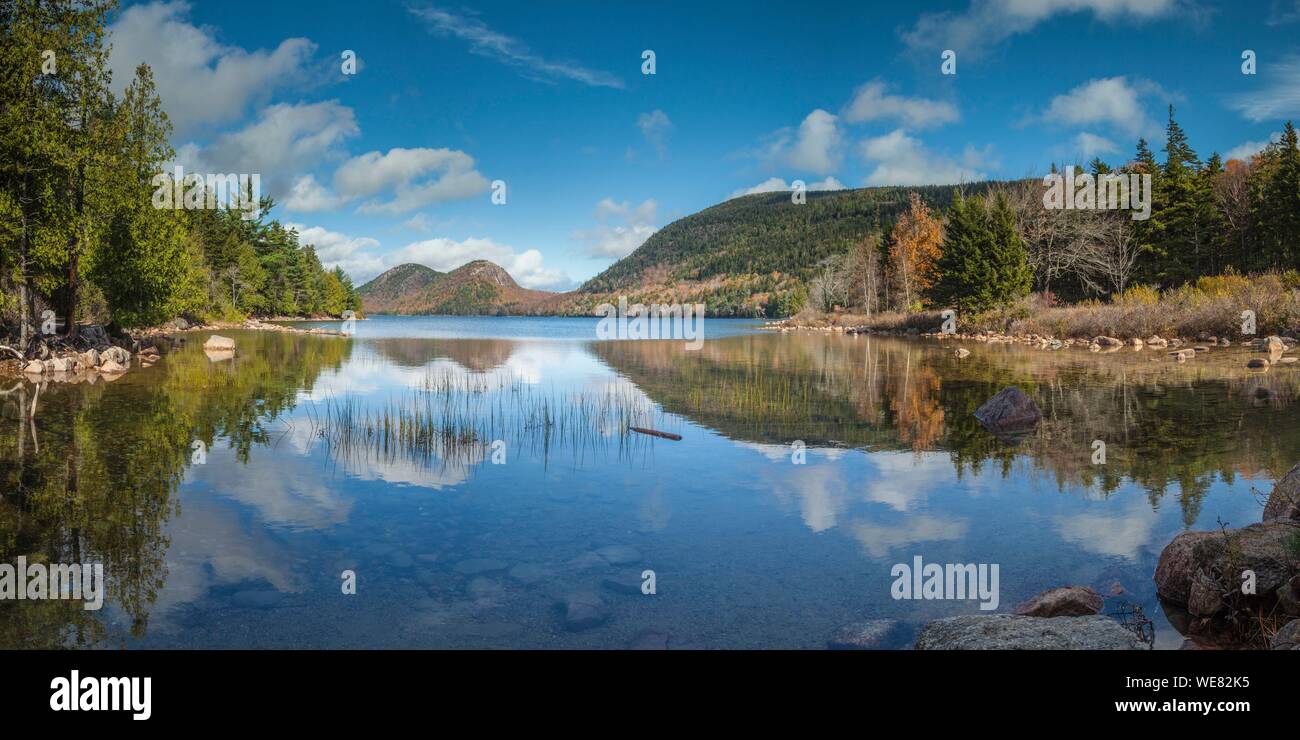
[
  {"x": 1017, "y": 632},
  {"x": 1175, "y": 568},
  {"x": 1009, "y": 411},
  {"x": 35, "y": 367},
  {"x": 1272, "y": 345},
  {"x": 1068, "y": 601},
  {"x": 1287, "y": 638},
  {"x": 1284, "y": 502},
  {"x": 962, "y": 352},
  {"x": 1203, "y": 570},
  {"x": 1257, "y": 363},
  {"x": 1108, "y": 341},
  {"x": 1156, "y": 342},
  {"x": 871, "y": 634},
  {"x": 218, "y": 343},
  {"x": 1183, "y": 355},
  {"x": 110, "y": 367},
  {"x": 90, "y": 358}
]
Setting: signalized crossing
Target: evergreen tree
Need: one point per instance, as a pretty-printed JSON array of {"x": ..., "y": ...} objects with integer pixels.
[{"x": 984, "y": 263}]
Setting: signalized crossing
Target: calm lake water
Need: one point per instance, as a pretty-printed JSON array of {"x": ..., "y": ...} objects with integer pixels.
[{"x": 476, "y": 473}]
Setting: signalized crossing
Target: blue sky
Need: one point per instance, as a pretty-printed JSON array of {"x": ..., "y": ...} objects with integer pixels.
[{"x": 396, "y": 162}]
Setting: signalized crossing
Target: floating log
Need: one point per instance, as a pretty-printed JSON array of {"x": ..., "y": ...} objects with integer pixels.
[{"x": 657, "y": 433}]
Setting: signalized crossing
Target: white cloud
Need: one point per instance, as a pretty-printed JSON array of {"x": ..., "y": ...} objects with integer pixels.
[
  {"x": 1111, "y": 100},
  {"x": 510, "y": 51},
  {"x": 655, "y": 127},
  {"x": 407, "y": 173},
  {"x": 1091, "y": 145},
  {"x": 308, "y": 196},
  {"x": 816, "y": 143},
  {"x": 415, "y": 178},
  {"x": 1247, "y": 149},
  {"x": 902, "y": 160},
  {"x": 419, "y": 222},
  {"x": 813, "y": 147},
  {"x": 1279, "y": 95},
  {"x": 777, "y": 184},
  {"x": 872, "y": 102},
  {"x": 620, "y": 228},
  {"x": 281, "y": 143},
  {"x": 331, "y": 246},
  {"x": 988, "y": 22},
  {"x": 200, "y": 80}
]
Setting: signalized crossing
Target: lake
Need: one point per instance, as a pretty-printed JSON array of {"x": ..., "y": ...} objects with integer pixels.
[{"x": 476, "y": 482}]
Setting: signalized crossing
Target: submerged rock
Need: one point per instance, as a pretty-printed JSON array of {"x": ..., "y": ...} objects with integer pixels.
[
  {"x": 619, "y": 554},
  {"x": 623, "y": 583},
  {"x": 1068, "y": 601},
  {"x": 584, "y": 610},
  {"x": 1009, "y": 411},
  {"x": 871, "y": 634},
  {"x": 1017, "y": 632},
  {"x": 962, "y": 352}
]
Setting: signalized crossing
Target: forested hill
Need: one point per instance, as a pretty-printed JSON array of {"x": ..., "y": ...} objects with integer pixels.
[{"x": 764, "y": 234}]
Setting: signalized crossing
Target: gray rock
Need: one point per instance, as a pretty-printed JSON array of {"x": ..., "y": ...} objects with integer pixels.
[
  {"x": 623, "y": 583},
  {"x": 1174, "y": 570},
  {"x": 529, "y": 573},
  {"x": 1287, "y": 638},
  {"x": 475, "y": 566},
  {"x": 871, "y": 634},
  {"x": 587, "y": 561},
  {"x": 1284, "y": 502},
  {"x": 619, "y": 554},
  {"x": 584, "y": 610},
  {"x": 1197, "y": 569},
  {"x": 1068, "y": 601},
  {"x": 1016, "y": 632},
  {"x": 218, "y": 343},
  {"x": 1009, "y": 411},
  {"x": 484, "y": 589}
]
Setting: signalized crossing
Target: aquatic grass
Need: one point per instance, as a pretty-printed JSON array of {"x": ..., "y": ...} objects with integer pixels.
[{"x": 455, "y": 420}]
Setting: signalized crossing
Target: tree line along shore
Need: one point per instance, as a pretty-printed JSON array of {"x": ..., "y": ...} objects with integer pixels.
[{"x": 82, "y": 239}]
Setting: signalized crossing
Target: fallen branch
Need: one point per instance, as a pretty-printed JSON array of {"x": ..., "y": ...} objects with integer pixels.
[
  {"x": 656, "y": 433},
  {"x": 17, "y": 354}
]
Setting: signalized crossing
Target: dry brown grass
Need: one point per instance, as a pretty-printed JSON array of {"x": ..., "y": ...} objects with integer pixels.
[{"x": 1211, "y": 305}]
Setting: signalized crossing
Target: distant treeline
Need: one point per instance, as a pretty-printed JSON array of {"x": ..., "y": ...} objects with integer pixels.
[{"x": 80, "y": 234}]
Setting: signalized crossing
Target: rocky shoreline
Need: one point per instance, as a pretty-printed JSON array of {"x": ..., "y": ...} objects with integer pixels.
[
  {"x": 1182, "y": 349},
  {"x": 93, "y": 355}
]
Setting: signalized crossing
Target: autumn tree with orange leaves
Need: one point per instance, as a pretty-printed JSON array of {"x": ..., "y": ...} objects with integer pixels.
[{"x": 914, "y": 251}]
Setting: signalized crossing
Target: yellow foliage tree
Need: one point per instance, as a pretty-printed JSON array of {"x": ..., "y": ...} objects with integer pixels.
[{"x": 914, "y": 251}]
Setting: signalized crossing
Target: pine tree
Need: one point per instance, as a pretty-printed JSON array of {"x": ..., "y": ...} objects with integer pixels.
[{"x": 984, "y": 263}]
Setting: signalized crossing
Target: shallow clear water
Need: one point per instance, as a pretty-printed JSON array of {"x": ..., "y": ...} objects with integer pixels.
[{"x": 302, "y": 480}]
